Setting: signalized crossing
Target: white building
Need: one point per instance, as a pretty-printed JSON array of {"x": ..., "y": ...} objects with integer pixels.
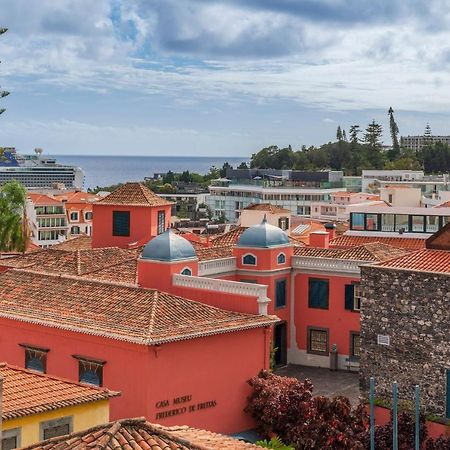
[{"x": 47, "y": 220}]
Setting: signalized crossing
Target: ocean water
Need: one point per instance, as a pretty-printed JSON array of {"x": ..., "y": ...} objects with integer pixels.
[{"x": 108, "y": 170}]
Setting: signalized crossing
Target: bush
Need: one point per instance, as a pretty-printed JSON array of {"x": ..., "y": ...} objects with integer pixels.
[{"x": 285, "y": 406}]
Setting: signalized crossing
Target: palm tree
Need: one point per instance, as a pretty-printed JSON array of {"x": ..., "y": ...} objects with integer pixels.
[{"x": 14, "y": 231}]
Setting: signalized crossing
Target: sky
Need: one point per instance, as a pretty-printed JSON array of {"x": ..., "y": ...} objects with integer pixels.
[{"x": 222, "y": 78}]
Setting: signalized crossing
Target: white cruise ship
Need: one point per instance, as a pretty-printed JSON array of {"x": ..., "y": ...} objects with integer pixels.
[{"x": 36, "y": 171}]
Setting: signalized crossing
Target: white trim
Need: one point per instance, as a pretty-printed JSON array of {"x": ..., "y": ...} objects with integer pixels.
[
  {"x": 328, "y": 265},
  {"x": 246, "y": 264},
  {"x": 216, "y": 266}
]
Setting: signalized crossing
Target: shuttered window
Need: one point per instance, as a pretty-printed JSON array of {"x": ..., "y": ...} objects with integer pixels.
[
  {"x": 318, "y": 293},
  {"x": 121, "y": 223},
  {"x": 280, "y": 294},
  {"x": 318, "y": 340}
]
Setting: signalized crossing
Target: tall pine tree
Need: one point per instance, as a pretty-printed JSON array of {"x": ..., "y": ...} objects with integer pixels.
[
  {"x": 372, "y": 140},
  {"x": 394, "y": 153}
]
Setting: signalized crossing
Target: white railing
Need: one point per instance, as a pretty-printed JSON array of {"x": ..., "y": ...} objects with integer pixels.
[
  {"x": 215, "y": 266},
  {"x": 327, "y": 264},
  {"x": 224, "y": 286}
]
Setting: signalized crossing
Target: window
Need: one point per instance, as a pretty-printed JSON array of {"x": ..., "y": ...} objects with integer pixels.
[
  {"x": 161, "y": 222},
  {"x": 90, "y": 371},
  {"x": 283, "y": 223},
  {"x": 280, "y": 293},
  {"x": 186, "y": 271},
  {"x": 355, "y": 344},
  {"x": 318, "y": 341},
  {"x": 390, "y": 198},
  {"x": 401, "y": 222},
  {"x": 35, "y": 358},
  {"x": 54, "y": 428},
  {"x": 418, "y": 224},
  {"x": 74, "y": 216},
  {"x": 75, "y": 230},
  {"x": 11, "y": 439},
  {"x": 88, "y": 215},
  {"x": 353, "y": 296},
  {"x": 357, "y": 221},
  {"x": 249, "y": 260},
  {"x": 372, "y": 222},
  {"x": 121, "y": 223},
  {"x": 318, "y": 293},
  {"x": 281, "y": 258}
]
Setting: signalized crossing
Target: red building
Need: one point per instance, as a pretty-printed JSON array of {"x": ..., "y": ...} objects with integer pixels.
[
  {"x": 125, "y": 311},
  {"x": 131, "y": 215}
]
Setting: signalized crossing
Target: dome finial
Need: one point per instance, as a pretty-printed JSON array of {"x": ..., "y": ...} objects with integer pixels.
[{"x": 264, "y": 219}]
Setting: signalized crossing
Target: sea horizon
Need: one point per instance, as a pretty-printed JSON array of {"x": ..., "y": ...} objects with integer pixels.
[{"x": 107, "y": 170}]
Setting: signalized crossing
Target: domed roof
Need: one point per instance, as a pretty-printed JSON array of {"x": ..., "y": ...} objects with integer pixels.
[
  {"x": 168, "y": 246},
  {"x": 263, "y": 235}
]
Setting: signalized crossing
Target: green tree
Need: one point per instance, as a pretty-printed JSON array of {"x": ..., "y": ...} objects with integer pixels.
[
  {"x": 339, "y": 135},
  {"x": 3, "y": 93},
  {"x": 223, "y": 170},
  {"x": 395, "y": 151},
  {"x": 242, "y": 165},
  {"x": 372, "y": 140},
  {"x": 186, "y": 177},
  {"x": 354, "y": 134},
  {"x": 14, "y": 232}
]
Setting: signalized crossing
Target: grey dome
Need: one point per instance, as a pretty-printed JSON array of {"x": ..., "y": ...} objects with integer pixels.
[
  {"x": 263, "y": 235},
  {"x": 168, "y": 246}
]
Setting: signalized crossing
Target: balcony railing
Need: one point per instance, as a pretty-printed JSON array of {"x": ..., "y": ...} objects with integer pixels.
[
  {"x": 327, "y": 264},
  {"x": 216, "y": 266}
]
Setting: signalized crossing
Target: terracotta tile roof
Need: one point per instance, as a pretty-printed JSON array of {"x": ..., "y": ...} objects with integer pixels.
[
  {"x": 137, "y": 434},
  {"x": 209, "y": 253},
  {"x": 126, "y": 313},
  {"x": 81, "y": 242},
  {"x": 231, "y": 237},
  {"x": 425, "y": 260},
  {"x": 273, "y": 209},
  {"x": 443, "y": 205},
  {"x": 345, "y": 241},
  {"x": 133, "y": 194},
  {"x": 26, "y": 392},
  {"x": 93, "y": 263},
  {"x": 78, "y": 197},
  {"x": 374, "y": 251},
  {"x": 43, "y": 200}
]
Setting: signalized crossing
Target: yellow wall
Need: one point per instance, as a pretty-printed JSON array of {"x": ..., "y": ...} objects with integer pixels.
[{"x": 84, "y": 416}]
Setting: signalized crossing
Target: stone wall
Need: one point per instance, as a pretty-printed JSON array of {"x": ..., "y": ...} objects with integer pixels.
[{"x": 413, "y": 309}]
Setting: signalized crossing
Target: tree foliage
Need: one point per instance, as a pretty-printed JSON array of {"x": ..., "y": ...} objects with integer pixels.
[
  {"x": 14, "y": 233},
  {"x": 286, "y": 407}
]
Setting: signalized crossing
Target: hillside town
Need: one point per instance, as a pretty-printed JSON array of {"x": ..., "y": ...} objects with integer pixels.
[{"x": 159, "y": 295}]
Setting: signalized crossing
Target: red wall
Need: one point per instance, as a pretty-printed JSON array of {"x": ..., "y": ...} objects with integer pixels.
[
  {"x": 209, "y": 369},
  {"x": 336, "y": 318},
  {"x": 143, "y": 224}
]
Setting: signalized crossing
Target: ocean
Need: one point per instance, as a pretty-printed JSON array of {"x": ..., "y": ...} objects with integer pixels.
[{"x": 108, "y": 170}]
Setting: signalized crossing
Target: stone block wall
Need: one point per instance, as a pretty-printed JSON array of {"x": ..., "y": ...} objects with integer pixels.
[{"x": 413, "y": 309}]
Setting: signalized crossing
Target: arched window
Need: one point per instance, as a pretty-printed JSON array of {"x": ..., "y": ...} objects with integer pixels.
[
  {"x": 186, "y": 271},
  {"x": 281, "y": 258},
  {"x": 75, "y": 230},
  {"x": 249, "y": 260}
]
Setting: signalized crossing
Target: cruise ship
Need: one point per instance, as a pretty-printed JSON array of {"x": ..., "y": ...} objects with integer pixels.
[{"x": 36, "y": 171}]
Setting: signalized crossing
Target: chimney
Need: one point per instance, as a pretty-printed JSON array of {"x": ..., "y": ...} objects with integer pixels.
[
  {"x": 331, "y": 229},
  {"x": 319, "y": 239}
]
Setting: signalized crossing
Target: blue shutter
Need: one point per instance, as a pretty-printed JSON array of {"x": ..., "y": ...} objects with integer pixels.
[
  {"x": 349, "y": 296},
  {"x": 280, "y": 298}
]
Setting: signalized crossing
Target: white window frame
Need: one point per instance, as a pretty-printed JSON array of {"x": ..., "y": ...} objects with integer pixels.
[
  {"x": 78, "y": 216},
  {"x": 186, "y": 268},
  {"x": 250, "y": 265},
  {"x": 281, "y": 254},
  {"x": 357, "y": 295},
  {"x": 88, "y": 212}
]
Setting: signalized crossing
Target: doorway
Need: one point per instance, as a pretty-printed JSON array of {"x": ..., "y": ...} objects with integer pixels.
[{"x": 280, "y": 344}]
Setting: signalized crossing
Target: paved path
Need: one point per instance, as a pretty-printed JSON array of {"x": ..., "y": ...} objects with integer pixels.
[{"x": 325, "y": 381}]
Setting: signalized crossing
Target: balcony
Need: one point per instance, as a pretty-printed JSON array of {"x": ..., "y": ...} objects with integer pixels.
[{"x": 216, "y": 266}]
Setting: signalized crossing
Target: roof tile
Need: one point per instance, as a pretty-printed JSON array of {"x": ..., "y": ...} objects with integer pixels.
[
  {"x": 133, "y": 194},
  {"x": 346, "y": 241},
  {"x": 26, "y": 392},
  {"x": 132, "y": 314}
]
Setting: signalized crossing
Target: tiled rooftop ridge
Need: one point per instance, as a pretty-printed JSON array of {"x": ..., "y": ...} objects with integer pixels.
[{"x": 138, "y": 434}]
